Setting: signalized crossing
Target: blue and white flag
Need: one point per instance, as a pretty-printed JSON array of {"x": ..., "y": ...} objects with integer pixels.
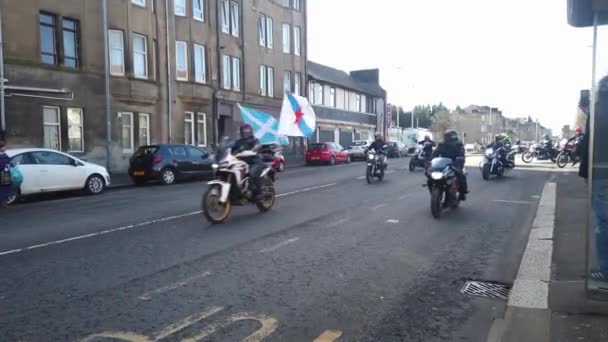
[
  {"x": 265, "y": 126},
  {"x": 298, "y": 118}
]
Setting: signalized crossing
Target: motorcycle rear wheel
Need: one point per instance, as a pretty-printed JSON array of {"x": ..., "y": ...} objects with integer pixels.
[
  {"x": 381, "y": 174},
  {"x": 412, "y": 164},
  {"x": 267, "y": 197},
  {"x": 562, "y": 160},
  {"x": 436, "y": 199},
  {"x": 369, "y": 175},
  {"x": 213, "y": 210},
  {"x": 527, "y": 157},
  {"x": 485, "y": 172}
]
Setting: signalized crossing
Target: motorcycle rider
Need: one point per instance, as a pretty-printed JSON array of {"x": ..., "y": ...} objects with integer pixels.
[
  {"x": 427, "y": 146},
  {"x": 452, "y": 148},
  {"x": 248, "y": 142},
  {"x": 577, "y": 138},
  {"x": 501, "y": 143},
  {"x": 378, "y": 146}
]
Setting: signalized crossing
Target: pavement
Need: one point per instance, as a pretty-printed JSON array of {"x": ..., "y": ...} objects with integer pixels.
[
  {"x": 558, "y": 308},
  {"x": 335, "y": 260}
]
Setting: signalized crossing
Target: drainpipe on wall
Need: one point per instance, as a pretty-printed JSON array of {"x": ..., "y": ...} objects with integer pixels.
[
  {"x": 244, "y": 55},
  {"x": 107, "y": 85},
  {"x": 169, "y": 79},
  {"x": 216, "y": 89}
]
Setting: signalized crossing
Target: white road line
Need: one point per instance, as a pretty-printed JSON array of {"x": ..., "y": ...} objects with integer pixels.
[
  {"x": 103, "y": 232},
  {"x": 392, "y": 221},
  {"x": 362, "y": 177},
  {"x": 148, "y": 295},
  {"x": 137, "y": 225},
  {"x": 379, "y": 206},
  {"x": 307, "y": 189},
  {"x": 514, "y": 202},
  {"x": 279, "y": 245},
  {"x": 402, "y": 197},
  {"x": 389, "y": 172}
]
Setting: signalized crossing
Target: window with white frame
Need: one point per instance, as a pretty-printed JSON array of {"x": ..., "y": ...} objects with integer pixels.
[
  {"x": 117, "y": 52},
  {"x": 144, "y": 129},
  {"x": 52, "y": 127},
  {"x": 319, "y": 95},
  {"x": 265, "y": 31},
  {"x": 141, "y": 3},
  {"x": 270, "y": 79},
  {"x": 75, "y": 130},
  {"x": 266, "y": 80},
  {"x": 201, "y": 127},
  {"x": 286, "y": 81},
  {"x": 263, "y": 83},
  {"x": 297, "y": 47},
  {"x": 126, "y": 123},
  {"x": 311, "y": 92},
  {"x": 358, "y": 102},
  {"x": 286, "y": 38},
  {"x": 285, "y": 3},
  {"x": 297, "y": 5},
  {"x": 332, "y": 96},
  {"x": 189, "y": 128},
  {"x": 236, "y": 73},
  {"x": 181, "y": 60},
  {"x": 198, "y": 10},
  {"x": 140, "y": 56},
  {"x": 234, "y": 18},
  {"x": 200, "y": 65},
  {"x": 180, "y": 8},
  {"x": 297, "y": 84},
  {"x": 226, "y": 65},
  {"x": 225, "y": 13}
]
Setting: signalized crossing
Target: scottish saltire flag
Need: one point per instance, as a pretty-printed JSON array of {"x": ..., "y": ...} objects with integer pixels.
[
  {"x": 298, "y": 119},
  {"x": 265, "y": 127}
]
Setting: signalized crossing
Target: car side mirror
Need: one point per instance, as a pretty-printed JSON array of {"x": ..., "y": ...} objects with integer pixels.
[{"x": 204, "y": 156}]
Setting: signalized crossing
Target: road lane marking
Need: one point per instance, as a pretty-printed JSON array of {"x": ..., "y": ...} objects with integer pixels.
[
  {"x": 307, "y": 189},
  {"x": 279, "y": 245},
  {"x": 535, "y": 196},
  {"x": 514, "y": 202},
  {"x": 329, "y": 336},
  {"x": 186, "y": 322},
  {"x": 378, "y": 206},
  {"x": 173, "y": 286},
  {"x": 269, "y": 325},
  {"x": 337, "y": 223},
  {"x": 137, "y": 225},
  {"x": 103, "y": 232},
  {"x": 362, "y": 177},
  {"x": 392, "y": 221},
  {"x": 389, "y": 172},
  {"x": 404, "y": 196}
]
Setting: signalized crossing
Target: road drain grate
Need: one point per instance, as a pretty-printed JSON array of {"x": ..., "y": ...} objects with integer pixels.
[{"x": 486, "y": 289}]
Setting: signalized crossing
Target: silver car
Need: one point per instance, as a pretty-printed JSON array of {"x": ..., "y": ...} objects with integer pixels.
[{"x": 357, "y": 149}]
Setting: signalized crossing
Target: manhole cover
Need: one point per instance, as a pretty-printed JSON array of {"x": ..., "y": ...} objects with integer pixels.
[{"x": 486, "y": 289}]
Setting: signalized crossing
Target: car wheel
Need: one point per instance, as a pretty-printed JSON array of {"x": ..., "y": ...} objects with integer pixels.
[
  {"x": 167, "y": 176},
  {"x": 332, "y": 161},
  {"x": 94, "y": 185},
  {"x": 281, "y": 166},
  {"x": 348, "y": 160}
]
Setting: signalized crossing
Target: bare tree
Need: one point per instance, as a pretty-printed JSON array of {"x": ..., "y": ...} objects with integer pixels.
[{"x": 442, "y": 121}]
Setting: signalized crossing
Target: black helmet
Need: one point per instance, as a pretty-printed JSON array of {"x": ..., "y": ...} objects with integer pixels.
[
  {"x": 378, "y": 135},
  {"x": 246, "y": 131},
  {"x": 450, "y": 136},
  {"x": 546, "y": 137},
  {"x": 426, "y": 137}
]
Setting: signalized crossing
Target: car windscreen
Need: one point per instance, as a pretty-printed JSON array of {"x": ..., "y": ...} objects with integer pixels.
[
  {"x": 317, "y": 147},
  {"x": 146, "y": 151},
  {"x": 358, "y": 143}
]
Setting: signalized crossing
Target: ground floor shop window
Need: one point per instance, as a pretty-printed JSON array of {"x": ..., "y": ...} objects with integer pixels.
[{"x": 75, "y": 130}]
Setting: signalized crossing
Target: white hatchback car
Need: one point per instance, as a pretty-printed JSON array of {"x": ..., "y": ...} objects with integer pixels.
[{"x": 51, "y": 171}]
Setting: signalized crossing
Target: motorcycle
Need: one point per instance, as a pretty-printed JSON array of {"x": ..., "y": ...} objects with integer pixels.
[
  {"x": 273, "y": 157},
  {"x": 420, "y": 159},
  {"x": 375, "y": 166},
  {"x": 443, "y": 185},
  {"x": 540, "y": 153},
  {"x": 568, "y": 154},
  {"x": 235, "y": 186},
  {"x": 492, "y": 164}
]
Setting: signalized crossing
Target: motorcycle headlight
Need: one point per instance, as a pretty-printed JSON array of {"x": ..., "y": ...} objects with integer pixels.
[
  {"x": 436, "y": 175},
  {"x": 215, "y": 166},
  {"x": 370, "y": 156}
]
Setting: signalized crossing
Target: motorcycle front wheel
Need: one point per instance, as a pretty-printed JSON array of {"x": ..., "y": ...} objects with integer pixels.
[
  {"x": 369, "y": 175},
  {"x": 213, "y": 210},
  {"x": 265, "y": 202},
  {"x": 527, "y": 157},
  {"x": 436, "y": 199},
  {"x": 562, "y": 160},
  {"x": 485, "y": 172},
  {"x": 412, "y": 164}
]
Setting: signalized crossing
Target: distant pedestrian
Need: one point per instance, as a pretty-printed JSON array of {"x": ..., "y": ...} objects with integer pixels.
[{"x": 5, "y": 174}]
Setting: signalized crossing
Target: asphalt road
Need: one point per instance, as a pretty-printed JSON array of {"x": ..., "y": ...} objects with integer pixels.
[{"x": 336, "y": 259}]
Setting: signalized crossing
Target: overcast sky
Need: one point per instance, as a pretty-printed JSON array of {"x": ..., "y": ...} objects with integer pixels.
[{"x": 518, "y": 55}]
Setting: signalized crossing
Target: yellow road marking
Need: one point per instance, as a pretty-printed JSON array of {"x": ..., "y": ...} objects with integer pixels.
[
  {"x": 269, "y": 325},
  {"x": 118, "y": 335},
  {"x": 186, "y": 322},
  {"x": 329, "y": 336}
]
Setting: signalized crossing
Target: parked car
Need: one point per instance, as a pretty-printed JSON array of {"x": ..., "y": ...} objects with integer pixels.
[
  {"x": 47, "y": 171},
  {"x": 170, "y": 162},
  {"x": 326, "y": 153},
  {"x": 357, "y": 149},
  {"x": 396, "y": 149}
]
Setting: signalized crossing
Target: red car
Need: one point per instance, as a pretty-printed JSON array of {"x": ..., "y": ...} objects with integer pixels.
[{"x": 327, "y": 153}]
